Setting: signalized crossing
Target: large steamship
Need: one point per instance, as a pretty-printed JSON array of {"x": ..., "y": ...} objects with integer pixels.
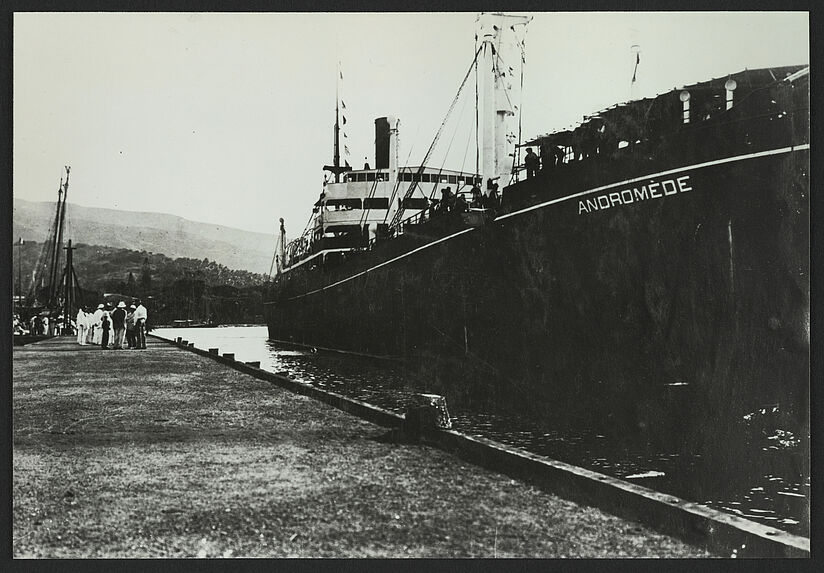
[{"x": 661, "y": 249}]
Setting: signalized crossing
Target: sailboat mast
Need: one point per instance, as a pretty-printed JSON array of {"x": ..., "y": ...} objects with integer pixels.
[
  {"x": 54, "y": 254},
  {"x": 68, "y": 299},
  {"x": 61, "y": 225}
]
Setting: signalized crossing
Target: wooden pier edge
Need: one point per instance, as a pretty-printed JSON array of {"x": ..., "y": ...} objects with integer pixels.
[{"x": 719, "y": 532}]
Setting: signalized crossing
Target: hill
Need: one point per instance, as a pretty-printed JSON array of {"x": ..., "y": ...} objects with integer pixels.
[
  {"x": 171, "y": 235},
  {"x": 180, "y": 288}
]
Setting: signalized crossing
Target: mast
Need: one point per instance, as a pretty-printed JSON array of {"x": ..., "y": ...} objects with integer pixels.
[
  {"x": 634, "y": 89},
  {"x": 336, "y": 156},
  {"x": 336, "y": 167},
  {"x": 60, "y": 228},
  {"x": 68, "y": 298},
  {"x": 496, "y": 102},
  {"x": 488, "y": 163},
  {"x": 52, "y": 247},
  {"x": 281, "y": 248}
]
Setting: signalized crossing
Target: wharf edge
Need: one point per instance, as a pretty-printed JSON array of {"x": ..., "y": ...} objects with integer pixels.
[{"x": 717, "y": 531}]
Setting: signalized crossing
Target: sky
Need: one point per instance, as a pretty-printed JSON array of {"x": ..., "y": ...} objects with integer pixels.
[{"x": 228, "y": 118}]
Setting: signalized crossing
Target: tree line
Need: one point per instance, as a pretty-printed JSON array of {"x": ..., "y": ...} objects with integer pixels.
[{"x": 198, "y": 290}]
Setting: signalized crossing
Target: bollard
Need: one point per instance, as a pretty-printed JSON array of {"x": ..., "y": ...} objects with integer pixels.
[
  {"x": 191, "y": 345},
  {"x": 436, "y": 403},
  {"x": 254, "y": 364},
  {"x": 425, "y": 415},
  {"x": 229, "y": 355},
  {"x": 213, "y": 350},
  {"x": 177, "y": 340}
]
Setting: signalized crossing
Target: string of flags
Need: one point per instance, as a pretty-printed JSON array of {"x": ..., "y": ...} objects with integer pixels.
[{"x": 342, "y": 105}]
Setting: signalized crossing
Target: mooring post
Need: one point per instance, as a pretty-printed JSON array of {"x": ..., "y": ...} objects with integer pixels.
[{"x": 425, "y": 414}]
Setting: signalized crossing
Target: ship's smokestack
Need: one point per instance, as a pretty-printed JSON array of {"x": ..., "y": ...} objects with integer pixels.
[{"x": 382, "y": 143}]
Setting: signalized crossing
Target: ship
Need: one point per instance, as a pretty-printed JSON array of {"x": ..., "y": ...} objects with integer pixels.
[{"x": 653, "y": 269}]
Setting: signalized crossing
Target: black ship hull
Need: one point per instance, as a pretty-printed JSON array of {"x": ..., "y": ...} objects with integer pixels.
[{"x": 644, "y": 289}]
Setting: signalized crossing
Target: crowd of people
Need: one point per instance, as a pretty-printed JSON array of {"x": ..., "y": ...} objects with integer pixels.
[
  {"x": 108, "y": 326},
  {"x": 40, "y": 324},
  {"x": 115, "y": 327},
  {"x": 457, "y": 202}
]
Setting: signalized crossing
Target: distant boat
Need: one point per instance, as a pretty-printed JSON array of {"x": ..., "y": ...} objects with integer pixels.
[{"x": 192, "y": 324}]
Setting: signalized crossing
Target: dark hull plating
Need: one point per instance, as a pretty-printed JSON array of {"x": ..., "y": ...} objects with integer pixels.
[{"x": 646, "y": 308}]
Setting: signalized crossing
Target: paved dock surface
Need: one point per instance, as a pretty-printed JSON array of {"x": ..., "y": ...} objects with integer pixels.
[{"x": 164, "y": 453}]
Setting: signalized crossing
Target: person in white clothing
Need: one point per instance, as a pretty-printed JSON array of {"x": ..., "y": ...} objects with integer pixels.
[
  {"x": 82, "y": 324},
  {"x": 140, "y": 317},
  {"x": 95, "y": 332}
]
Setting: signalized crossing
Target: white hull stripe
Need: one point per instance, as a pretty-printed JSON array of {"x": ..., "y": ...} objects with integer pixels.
[
  {"x": 307, "y": 259},
  {"x": 560, "y": 200},
  {"x": 656, "y": 176}
]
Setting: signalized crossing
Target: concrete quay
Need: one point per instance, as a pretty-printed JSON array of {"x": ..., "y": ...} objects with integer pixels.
[
  {"x": 719, "y": 532},
  {"x": 168, "y": 453}
]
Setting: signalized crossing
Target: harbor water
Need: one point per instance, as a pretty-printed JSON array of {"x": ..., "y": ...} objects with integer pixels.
[{"x": 769, "y": 485}]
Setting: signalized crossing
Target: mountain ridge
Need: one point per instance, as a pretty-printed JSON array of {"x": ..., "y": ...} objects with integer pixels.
[{"x": 171, "y": 235}]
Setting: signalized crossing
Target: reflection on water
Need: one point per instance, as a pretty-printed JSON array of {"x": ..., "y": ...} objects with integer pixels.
[{"x": 776, "y": 493}]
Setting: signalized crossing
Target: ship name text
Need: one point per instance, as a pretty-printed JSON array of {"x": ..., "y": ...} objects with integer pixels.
[{"x": 653, "y": 190}]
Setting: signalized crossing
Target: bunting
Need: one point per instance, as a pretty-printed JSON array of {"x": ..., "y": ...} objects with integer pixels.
[{"x": 342, "y": 107}]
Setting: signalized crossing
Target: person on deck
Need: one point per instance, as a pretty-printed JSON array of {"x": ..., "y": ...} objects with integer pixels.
[
  {"x": 477, "y": 197},
  {"x": 447, "y": 203},
  {"x": 460, "y": 204},
  {"x": 119, "y": 324},
  {"x": 532, "y": 163},
  {"x": 140, "y": 318},
  {"x": 558, "y": 154},
  {"x": 492, "y": 199}
]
